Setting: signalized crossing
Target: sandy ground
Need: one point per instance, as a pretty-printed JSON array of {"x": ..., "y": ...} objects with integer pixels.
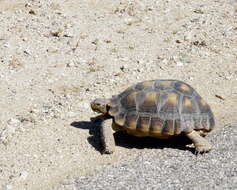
[{"x": 57, "y": 56}]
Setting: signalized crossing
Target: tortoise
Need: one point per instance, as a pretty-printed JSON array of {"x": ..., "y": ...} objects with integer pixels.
[{"x": 156, "y": 108}]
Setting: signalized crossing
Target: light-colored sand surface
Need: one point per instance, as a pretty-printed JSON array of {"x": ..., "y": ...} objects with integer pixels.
[{"x": 57, "y": 56}]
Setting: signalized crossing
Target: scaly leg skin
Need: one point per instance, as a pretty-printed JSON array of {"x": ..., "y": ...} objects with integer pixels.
[
  {"x": 107, "y": 137},
  {"x": 201, "y": 144}
]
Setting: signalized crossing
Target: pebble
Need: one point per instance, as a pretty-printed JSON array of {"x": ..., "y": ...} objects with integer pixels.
[
  {"x": 188, "y": 36},
  {"x": 185, "y": 59},
  {"x": 34, "y": 110},
  {"x": 70, "y": 64},
  {"x": 7, "y": 187},
  {"x": 13, "y": 121},
  {"x": 6, "y": 45},
  {"x": 72, "y": 114},
  {"x": 84, "y": 105},
  {"x": 8, "y": 132},
  {"x": 51, "y": 81},
  {"x": 180, "y": 64},
  {"x": 23, "y": 175}
]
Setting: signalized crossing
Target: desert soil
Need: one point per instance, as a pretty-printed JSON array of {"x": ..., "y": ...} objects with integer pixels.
[{"x": 57, "y": 56}]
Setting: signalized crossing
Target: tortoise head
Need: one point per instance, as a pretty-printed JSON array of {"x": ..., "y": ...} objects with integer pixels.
[{"x": 100, "y": 105}]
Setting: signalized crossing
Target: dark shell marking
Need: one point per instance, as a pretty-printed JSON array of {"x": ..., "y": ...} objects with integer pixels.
[{"x": 161, "y": 108}]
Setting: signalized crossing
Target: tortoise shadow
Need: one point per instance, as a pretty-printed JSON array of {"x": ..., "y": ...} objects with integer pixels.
[
  {"x": 125, "y": 140},
  {"x": 94, "y": 130}
]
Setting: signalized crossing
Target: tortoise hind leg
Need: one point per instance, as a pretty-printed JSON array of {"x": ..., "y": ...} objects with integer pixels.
[
  {"x": 107, "y": 137},
  {"x": 201, "y": 144}
]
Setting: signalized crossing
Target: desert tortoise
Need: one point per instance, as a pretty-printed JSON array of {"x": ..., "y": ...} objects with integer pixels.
[{"x": 156, "y": 108}]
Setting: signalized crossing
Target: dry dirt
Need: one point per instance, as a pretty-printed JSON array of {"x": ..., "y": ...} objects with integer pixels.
[{"x": 57, "y": 56}]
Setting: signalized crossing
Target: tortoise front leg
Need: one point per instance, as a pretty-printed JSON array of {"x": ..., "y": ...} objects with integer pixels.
[
  {"x": 201, "y": 144},
  {"x": 107, "y": 137}
]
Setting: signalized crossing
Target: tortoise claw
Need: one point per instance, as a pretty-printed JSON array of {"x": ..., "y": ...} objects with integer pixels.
[{"x": 203, "y": 149}]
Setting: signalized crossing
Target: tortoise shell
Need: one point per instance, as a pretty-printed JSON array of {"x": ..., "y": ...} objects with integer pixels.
[{"x": 160, "y": 108}]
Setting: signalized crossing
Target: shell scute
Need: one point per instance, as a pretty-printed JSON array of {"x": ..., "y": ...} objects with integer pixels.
[
  {"x": 131, "y": 121},
  {"x": 184, "y": 88},
  {"x": 164, "y": 85},
  {"x": 129, "y": 102},
  {"x": 143, "y": 124},
  {"x": 168, "y": 128},
  {"x": 169, "y": 103},
  {"x": 156, "y": 125},
  {"x": 146, "y": 85},
  {"x": 147, "y": 102}
]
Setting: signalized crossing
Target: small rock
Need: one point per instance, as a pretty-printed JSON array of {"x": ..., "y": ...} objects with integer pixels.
[
  {"x": 32, "y": 12},
  {"x": 50, "y": 81},
  {"x": 7, "y": 187},
  {"x": 70, "y": 64},
  {"x": 28, "y": 5},
  {"x": 128, "y": 21},
  {"x": 34, "y": 110},
  {"x": 124, "y": 59},
  {"x": 6, "y": 45},
  {"x": 84, "y": 105},
  {"x": 188, "y": 36},
  {"x": 180, "y": 64},
  {"x": 83, "y": 61},
  {"x": 165, "y": 61},
  {"x": 23, "y": 175},
  {"x": 68, "y": 34},
  {"x": 185, "y": 59},
  {"x": 72, "y": 114},
  {"x": 13, "y": 121},
  {"x": 57, "y": 33}
]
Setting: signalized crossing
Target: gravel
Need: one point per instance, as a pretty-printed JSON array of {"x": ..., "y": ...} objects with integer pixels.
[{"x": 171, "y": 168}]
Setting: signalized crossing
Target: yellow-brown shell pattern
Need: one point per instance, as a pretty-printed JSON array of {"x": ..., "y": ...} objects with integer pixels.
[{"x": 161, "y": 108}]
